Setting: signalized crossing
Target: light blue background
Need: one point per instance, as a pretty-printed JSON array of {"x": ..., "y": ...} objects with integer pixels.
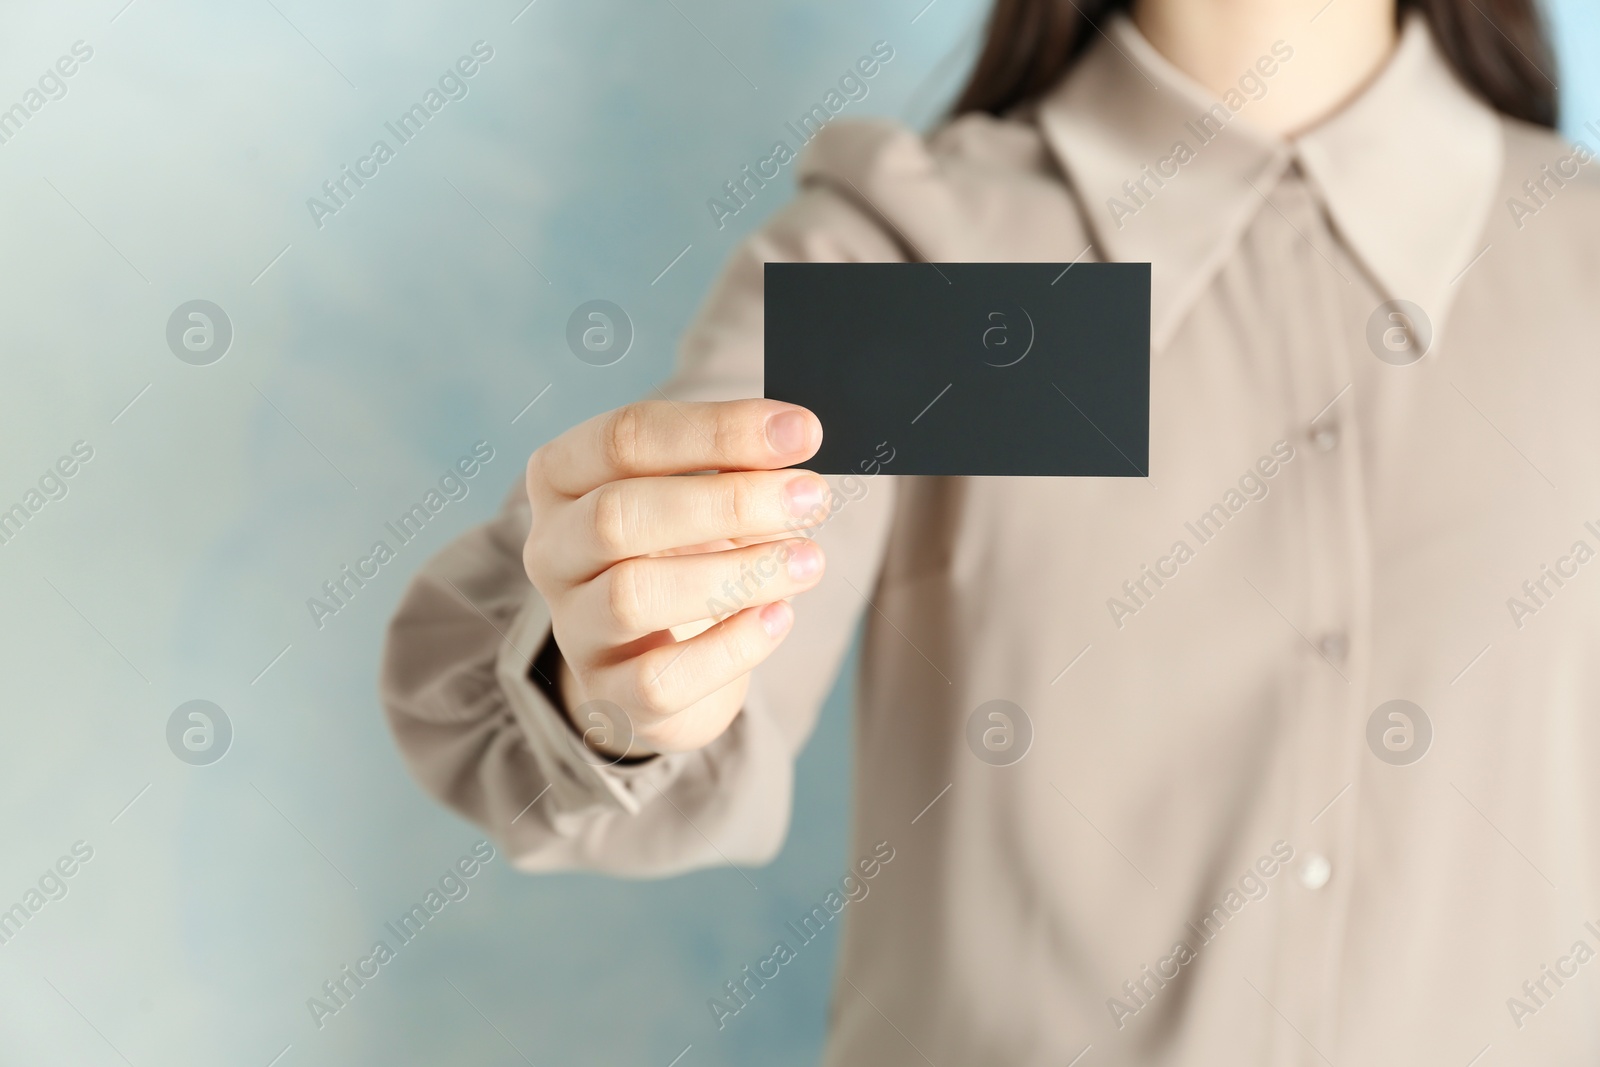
[{"x": 368, "y": 357}]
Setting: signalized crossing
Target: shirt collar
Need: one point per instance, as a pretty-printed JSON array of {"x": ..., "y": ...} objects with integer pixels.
[{"x": 1406, "y": 171}]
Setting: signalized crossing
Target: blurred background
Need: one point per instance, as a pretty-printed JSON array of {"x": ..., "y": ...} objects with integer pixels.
[{"x": 345, "y": 359}]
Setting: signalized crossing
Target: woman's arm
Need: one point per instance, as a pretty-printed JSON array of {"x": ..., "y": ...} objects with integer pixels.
[{"x": 485, "y": 738}]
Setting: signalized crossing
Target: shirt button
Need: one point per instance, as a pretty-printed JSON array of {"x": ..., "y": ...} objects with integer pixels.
[
  {"x": 1315, "y": 871},
  {"x": 1326, "y": 438},
  {"x": 1333, "y": 647}
]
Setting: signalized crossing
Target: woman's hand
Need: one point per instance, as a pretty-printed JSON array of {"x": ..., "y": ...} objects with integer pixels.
[{"x": 664, "y": 591}]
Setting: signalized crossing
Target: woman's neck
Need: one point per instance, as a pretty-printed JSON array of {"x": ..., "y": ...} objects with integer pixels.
[{"x": 1338, "y": 47}]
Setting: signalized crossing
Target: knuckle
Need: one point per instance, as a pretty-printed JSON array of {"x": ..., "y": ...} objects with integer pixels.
[
  {"x": 741, "y": 505},
  {"x": 652, "y": 691},
  {"x": 742, "y": 650},
  {"x": 730, "y": 431},
  {"x": 609, "y": 521},
  {"x": 622, "y": 437},
  {"x": 536, "y": 554},
  {"x": 543, "y": 544},
  {"x": 530, "y": 562},
  {"x": 534, "y": 472},
  {"x": 628, "y": 595}
]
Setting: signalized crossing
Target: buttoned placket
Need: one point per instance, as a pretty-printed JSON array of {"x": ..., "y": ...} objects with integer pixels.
[{"x": 1323, "y": 593}]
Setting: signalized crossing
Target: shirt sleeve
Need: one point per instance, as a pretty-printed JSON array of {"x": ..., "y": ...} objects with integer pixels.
[{"x": 483, "y": 739}]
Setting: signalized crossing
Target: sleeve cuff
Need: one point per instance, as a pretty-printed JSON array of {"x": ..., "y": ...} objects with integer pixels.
[{"x": 578, "y": 777}]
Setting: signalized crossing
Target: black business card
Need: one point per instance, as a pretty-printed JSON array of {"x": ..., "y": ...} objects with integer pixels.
[{"x": 966, "y": 368}]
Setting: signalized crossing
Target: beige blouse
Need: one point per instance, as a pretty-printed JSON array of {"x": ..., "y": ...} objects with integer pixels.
[{"x": 1295, "y": 760}]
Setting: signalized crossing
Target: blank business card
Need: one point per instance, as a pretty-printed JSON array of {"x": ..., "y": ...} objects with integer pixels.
[{"x": 966, "y": 368}]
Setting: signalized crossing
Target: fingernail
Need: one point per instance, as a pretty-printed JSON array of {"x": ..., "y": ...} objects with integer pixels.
[
  {"x": 776, "y": 617},
  {"x": 804, "y": 495},
  {"x": 805, "y": 561},
  {"x": 787, "y": 432}
]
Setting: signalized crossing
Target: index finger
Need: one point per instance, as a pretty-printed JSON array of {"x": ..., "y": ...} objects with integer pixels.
[{"x": 652, "y": 438}]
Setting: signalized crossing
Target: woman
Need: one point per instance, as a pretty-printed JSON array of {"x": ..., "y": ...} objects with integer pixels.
[{"x": 1200, "y": 830}]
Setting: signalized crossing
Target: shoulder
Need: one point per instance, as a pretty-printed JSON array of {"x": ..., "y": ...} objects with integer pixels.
[
  {"x": 1546, "y": 173},
  {"x": 976, "y": 188},
  {"x": 1531, "y": 287},
  {"x": 1544, "y": 226},
  {"x": 1009, "y": 148},
  {"x": 1527, "y": 147}
]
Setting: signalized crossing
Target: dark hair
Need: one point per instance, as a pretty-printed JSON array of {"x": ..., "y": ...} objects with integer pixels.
[{"x": 1497, "y": 47}]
